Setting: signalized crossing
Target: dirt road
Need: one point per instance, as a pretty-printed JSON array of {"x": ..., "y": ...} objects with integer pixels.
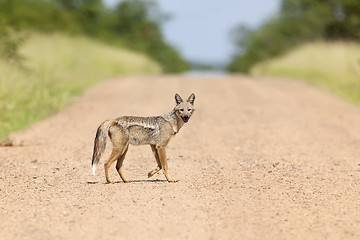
[{"x": 260, "y": 159}]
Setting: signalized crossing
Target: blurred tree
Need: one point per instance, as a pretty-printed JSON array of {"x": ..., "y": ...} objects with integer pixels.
[
  {"x": 135, "y": 23},
  {"x": 298, "y": 21},
  {"x": 346, "y": 23},
  {"x": 25, "y": 14},
  {"x": 138, "y": 23},
  {"x": 88, "y": 13},
  {"x": 10, "y": 43}
]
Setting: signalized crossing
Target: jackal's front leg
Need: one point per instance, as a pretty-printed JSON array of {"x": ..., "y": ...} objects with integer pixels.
[
  {"x": 156, "y": 155},
  {"x": 162, "y": 156}
]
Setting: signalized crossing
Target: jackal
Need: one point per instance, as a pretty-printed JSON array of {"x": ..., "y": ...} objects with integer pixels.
[{"x": 155, "y": 131}]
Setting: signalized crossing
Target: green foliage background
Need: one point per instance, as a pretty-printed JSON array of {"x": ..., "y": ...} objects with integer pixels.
[
  {"x": 135, "y": 24},
  {"x": 297, "y": 22}
]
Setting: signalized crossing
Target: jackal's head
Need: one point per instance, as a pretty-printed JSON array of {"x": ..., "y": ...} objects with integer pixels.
[{"x": 184, "y": 109}]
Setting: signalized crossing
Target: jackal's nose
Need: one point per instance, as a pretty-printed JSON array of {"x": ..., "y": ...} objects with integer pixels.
[{"x": 186, "y": 118}]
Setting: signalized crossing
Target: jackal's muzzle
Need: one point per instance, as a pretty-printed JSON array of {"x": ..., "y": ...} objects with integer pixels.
[{"x": 185, "y": 118}]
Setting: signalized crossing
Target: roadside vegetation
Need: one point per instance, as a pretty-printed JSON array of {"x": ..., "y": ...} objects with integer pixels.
[
  {"x": 51, "y": 50},
  {"x": 297, "y": 22},
  {"x": 330, "y": 65},
  {"x": 314, "y": 40},
  {"x": 54, "y": 69}
]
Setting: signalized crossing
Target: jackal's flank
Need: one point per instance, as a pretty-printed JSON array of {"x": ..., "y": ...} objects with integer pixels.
[{"x": 155, "y": 131}]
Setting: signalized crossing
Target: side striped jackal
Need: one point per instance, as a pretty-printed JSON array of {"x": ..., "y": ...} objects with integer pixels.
[{"x": 155, "y": 131}]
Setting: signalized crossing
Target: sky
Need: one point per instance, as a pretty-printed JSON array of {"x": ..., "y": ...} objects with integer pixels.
[{"x": 200, "y": 29}]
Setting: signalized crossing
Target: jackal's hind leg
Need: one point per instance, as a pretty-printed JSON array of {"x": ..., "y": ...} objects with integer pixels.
[
  {"x": 115, "y": 154},
  {"x": 156, "y": 155},
  {"x": 119, "y": 164},
  {"x": 162, "y": 156}
]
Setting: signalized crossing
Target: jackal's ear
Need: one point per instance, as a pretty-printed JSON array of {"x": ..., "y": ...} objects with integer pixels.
[
  {"x": 191, "y": 99},
  {"x": 178, "y": 99}
]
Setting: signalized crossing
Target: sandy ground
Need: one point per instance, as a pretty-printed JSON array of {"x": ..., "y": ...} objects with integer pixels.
[{"x": 260, "y": 159}]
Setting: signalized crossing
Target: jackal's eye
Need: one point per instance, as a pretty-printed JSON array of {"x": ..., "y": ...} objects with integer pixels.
[
  {"x": 181, "y": 109},
  {"x": 189, "y": 109}
]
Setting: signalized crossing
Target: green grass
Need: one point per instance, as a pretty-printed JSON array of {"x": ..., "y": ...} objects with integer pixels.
[
  {"x": 58, "y": 67},
  {"x": 331, "y": 65}
]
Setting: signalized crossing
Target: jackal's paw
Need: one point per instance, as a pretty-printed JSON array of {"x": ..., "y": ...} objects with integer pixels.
[
  {"x": 150, "y": 174},
  {"x": 172, "y": 180}
]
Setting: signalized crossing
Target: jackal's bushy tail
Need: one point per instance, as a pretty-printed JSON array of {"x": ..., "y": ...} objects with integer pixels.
[{"x": 100, "y": 142}]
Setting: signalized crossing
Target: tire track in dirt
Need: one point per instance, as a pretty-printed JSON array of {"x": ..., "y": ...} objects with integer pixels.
[{"x": 261, "y": 158}]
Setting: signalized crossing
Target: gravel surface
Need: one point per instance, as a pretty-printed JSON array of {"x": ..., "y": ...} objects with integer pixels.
[{"x": 261, "y": 158}]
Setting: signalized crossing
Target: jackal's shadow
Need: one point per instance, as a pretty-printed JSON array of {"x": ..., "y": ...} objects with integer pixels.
[{"x": 132, "y": 181}]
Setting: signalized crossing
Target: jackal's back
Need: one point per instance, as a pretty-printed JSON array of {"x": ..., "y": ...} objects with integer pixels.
[{"x": 143, "y": 130}]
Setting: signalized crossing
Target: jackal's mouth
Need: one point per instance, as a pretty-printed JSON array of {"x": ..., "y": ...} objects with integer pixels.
[{"x": 185, "y": 118}]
